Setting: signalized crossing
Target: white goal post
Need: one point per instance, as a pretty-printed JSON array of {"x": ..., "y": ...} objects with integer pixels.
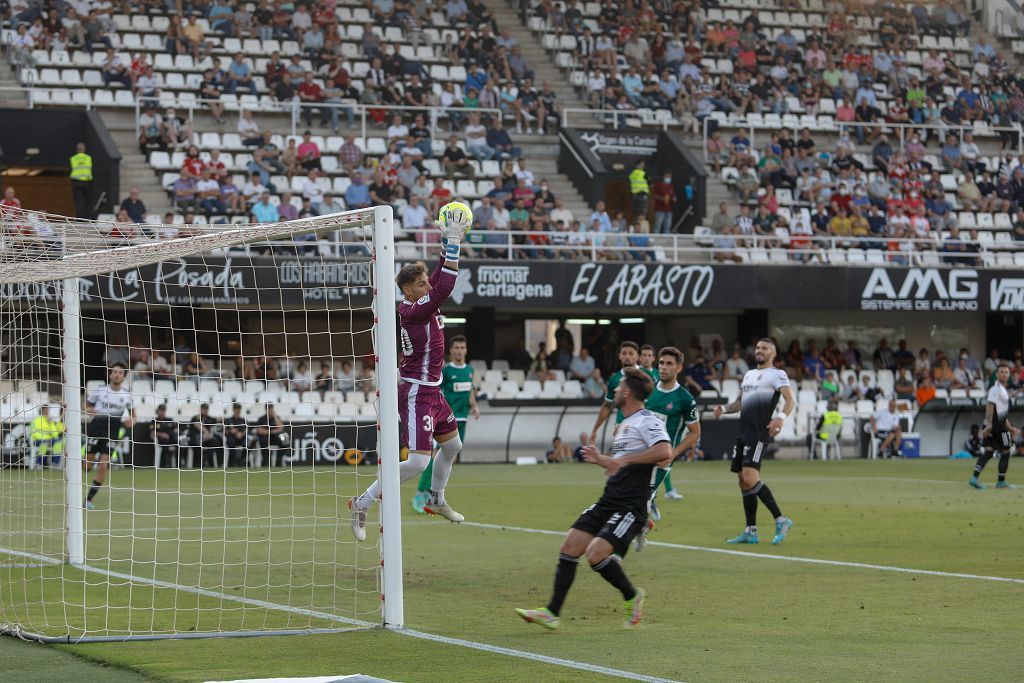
[{"x": 206, "y": 495}]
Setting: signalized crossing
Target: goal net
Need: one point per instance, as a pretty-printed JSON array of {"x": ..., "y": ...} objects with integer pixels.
[{"x": 206, "y": 494}]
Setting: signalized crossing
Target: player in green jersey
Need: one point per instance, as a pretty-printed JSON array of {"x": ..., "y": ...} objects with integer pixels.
[
  {"x": 647, "y": 359},
  {"x": 676, "y": 406},
  {"x": 458, "y": 390},
  {"x": 629, "y": 352}
]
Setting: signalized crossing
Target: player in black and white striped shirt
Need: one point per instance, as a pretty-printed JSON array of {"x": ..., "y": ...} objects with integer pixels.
[
  {"x": 997, "y": 433},
  {"x": 759, "y": 395},
  {"x": 110, "y": 406},
  {"x": 604, "y": 530}
]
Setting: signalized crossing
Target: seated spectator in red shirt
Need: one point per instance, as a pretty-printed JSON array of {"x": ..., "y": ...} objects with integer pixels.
[
  {"x": 275, "y": 69},
  {"x": 193, "y": 166},
  {"x": 439, "y": 196},
  {"x": 10, "y": 200},
  {"x": 311, "y": 95},
  {"x": 523, "y": 192},
  {"x": 220, "y": 170}
]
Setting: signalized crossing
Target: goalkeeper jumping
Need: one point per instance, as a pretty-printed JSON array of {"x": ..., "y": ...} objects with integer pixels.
[{"x": 425, "y": 414}]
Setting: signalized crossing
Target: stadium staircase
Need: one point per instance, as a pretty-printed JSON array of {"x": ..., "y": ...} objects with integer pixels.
[
  {"x": 537, "y": 58},
  {"x": 15, "y": 99},
  {"x": 135, "y": 168}
]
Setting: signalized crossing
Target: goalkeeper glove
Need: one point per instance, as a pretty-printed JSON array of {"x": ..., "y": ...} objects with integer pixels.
[
  {"x": 455, "y": 226},
  {"x": 451, "y": 247}
]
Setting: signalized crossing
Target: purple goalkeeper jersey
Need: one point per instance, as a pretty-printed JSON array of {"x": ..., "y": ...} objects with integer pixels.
[{"x": 423, "y": 331}]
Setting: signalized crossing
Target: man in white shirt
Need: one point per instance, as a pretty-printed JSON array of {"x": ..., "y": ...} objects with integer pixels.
[
  {"x": 501, "y": 217},
  {"x": 581, "y": 366},
  {"x": 476, "y": 139},
  {"x": 885, "y": 425},
  {"x": 577, "y": 238},
  {"x": 301, "y": 19},
  {"x": 414, "y": 217},
  {"x": 397, "y": 131},
  {"x": 736, "y": 365},
  {"x": 969, "y": 153},
  {"x": 525, "y": 174},
  {"x": 312, "y": 190},
  {"x": 560, "y": 214},
  {"x": 253, "y": 190},
  {"x": 208, "y": 191},
  {"x": 919, "y": 224},
  {"x": 148, "y": 84},
  {"x": 963, "y": 375}
]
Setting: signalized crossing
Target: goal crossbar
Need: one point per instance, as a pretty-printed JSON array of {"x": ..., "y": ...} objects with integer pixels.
[{"x": 83, "y": 248}]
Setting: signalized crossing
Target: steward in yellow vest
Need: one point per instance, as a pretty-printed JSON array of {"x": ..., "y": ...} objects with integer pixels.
[
  {"x": 81, "y": 181},
  {"x": 47, "y": 436},
  {"x": 639, "y": 189}
]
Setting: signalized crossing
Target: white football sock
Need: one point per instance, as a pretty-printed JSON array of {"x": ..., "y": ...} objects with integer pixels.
[
  {"x": 412, "y": 467},
  {"x": 443, "y": 462}
]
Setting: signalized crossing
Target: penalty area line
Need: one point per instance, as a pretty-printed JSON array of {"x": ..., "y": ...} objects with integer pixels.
[
  {"x": 412, "y": 633},
  {"x": 783, "y": 558}
]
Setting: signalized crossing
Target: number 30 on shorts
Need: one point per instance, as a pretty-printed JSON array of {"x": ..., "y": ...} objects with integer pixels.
[{"x": 428, "y": 423}]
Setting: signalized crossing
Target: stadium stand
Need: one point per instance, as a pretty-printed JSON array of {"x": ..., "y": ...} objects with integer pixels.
[
  {"x": 755, "y": 81},
  {"x": 429, "y": 63},
  {"x": 735, "y": 76}
]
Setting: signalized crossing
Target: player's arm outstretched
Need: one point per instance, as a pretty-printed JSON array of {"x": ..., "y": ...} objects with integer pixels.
[{"x": 442, "y": 280}]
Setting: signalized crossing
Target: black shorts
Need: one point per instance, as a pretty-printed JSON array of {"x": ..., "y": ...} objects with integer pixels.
[
  {"x": 616, "y": 525},
  {"x": 748, "y": 454},
  {"x": 998, "y": 441},
  {"x": 103, "y": 434},
  {"x": 99, "y": 446}
]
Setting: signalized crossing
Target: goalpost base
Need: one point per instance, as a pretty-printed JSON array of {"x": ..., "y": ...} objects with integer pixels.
[{"x": 71, "y": 640}]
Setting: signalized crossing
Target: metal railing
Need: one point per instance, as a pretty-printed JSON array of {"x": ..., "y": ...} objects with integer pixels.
[
  {"x": 758, "y": 249},
  {"x": 899, "y": 129},
  {"x": 296, "y": 108},
  {"x": 512, "y": 245},
  {"x": 602, "y": 118}
]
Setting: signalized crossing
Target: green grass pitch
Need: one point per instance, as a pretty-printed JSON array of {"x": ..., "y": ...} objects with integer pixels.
[{"x": 711, "y": 616}]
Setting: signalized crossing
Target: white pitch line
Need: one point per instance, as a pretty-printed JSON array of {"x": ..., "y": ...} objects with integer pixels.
[
  {"x": 483, "y": 647},
  {"x": 785, "y": 558},
  {"x": 533, "y": 656},
  {"x": 549, "y": 532}
]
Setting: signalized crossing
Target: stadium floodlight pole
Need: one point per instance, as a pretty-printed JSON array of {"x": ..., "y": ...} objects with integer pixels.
[
  {"x": 387, "y": 420},
  {"x": 72, "y": 343}
]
